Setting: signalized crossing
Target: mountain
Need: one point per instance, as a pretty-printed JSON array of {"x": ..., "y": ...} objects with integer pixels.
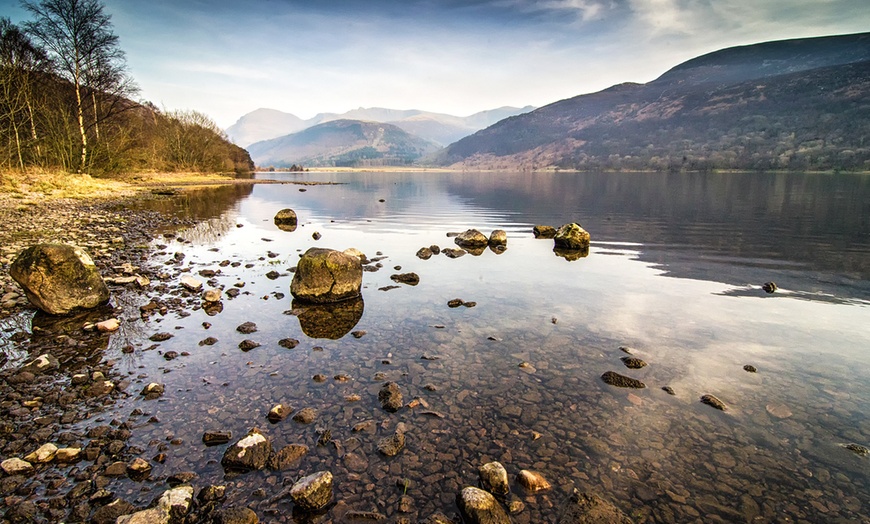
[
  {"x": 260, "y": 125},
  {"x": 264, "y": 124},
  {"x": 343, "y": 143},
  {"x": 793, "y": 104}
]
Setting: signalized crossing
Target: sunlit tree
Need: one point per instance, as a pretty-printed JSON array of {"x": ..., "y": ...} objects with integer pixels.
[{"x": 78, "y": 37}]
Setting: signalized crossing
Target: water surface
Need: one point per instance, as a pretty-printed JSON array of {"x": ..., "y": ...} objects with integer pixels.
[{"x": 674, "y": 272}]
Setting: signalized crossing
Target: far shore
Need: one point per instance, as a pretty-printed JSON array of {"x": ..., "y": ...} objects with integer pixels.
[{"x": 42, "y": 185}]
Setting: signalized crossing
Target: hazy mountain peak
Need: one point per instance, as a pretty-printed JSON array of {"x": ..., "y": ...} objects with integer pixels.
[{"x": 264, "y": 124}]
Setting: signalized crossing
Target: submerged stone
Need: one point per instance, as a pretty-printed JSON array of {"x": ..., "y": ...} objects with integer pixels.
[
  {"x": 712, "y": 401},
  {"x": 621, "y": 381},
  {"x": 587, "y": 508}
]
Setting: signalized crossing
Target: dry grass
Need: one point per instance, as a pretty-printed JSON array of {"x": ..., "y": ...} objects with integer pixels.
[{"x": 41, "y": 185}]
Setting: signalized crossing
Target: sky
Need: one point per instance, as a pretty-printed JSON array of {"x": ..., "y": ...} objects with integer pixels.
[{"x": 226, "y": 58}]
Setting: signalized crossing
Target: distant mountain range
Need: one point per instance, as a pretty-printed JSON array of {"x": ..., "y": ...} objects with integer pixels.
[
  {"x": 793, "y": 104},
  {"x": 443, "y": 129},
  {"x": 339, "y": 143}
]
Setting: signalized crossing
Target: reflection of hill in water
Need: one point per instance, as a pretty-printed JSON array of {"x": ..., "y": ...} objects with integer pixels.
[{"x": 819, "y": 221}]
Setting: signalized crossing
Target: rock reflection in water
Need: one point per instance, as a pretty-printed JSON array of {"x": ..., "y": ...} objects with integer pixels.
[
  {"x": 331, "y": 321},
  {"x": 571, "y": 254},
  {"x": 65, "y": 334}
]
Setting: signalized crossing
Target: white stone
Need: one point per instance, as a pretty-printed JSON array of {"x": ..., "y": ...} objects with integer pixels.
[
  {"x": 108, "y": 326},
  {"x": 16, "y": 466},
  {"x": 66, "y": 455},
  {"x": 44, "y": 454},
  {"x": 191, "y": 283}
]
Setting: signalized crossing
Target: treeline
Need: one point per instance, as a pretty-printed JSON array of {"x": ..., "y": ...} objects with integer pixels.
[{"x": 67, "y": 102}]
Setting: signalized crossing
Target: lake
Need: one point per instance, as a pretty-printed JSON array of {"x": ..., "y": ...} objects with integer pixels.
[{"x": 674, "y": 274}]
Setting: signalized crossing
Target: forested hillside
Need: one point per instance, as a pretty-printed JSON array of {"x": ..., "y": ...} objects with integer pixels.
[
  {"x": 67, "y": 103},
  {"x": 799, "y": 104}
]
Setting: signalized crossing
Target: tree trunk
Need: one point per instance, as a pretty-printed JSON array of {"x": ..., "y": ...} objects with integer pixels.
[
  {"x": 81, "y": 114},
  {"x": 96, "y": 115}
]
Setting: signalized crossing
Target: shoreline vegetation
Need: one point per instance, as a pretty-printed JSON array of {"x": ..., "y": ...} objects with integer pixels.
[{"x": 55, "y": 184}]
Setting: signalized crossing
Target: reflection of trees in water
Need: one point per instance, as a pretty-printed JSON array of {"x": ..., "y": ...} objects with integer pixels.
[
  {"x": 209, "y": 207},
  {"x": 11, "y": 328},
  {"x": 209, "y": 231}
]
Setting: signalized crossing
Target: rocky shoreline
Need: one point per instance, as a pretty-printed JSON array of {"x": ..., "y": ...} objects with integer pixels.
[
  {"x": 401, "y": 436},
  {"x": 59, "y": 457}
]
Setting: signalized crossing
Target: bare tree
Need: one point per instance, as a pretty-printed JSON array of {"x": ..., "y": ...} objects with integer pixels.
[
  {"x": 77, "y": 34},
  {"x": 20, "y": 59}
]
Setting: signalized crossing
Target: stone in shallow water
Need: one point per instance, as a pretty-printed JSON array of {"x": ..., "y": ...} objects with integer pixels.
[
  {"x": 571, "y": 236},
  {"x": 778, "y": 410},
  {"x": 471, "y": 238},
  {"x": 479, "y": 507},
  {"x": 287, "y": 455},
  {"x": 858, "y": 449},
  {"x": 621, "y": 381},
  {"x": 533, "y": 481},
  {"x": 251, "y": 452},
  {"x": 390, "y": 397},
  {"x": 544, "y": 231},
  {"x": 313, "y": 492},
  {"x": 326, "y": 275},
  {"x": 587, "y": 508},
  {"x": 411, "y": 279},
  {"x": 305, "y": 416},
  {"x": 494, "y": 478},
  {"x": 278, "y": 413},
  {"x": 633, "y": 363},
  {"x": 712, "y": 401},
  {"x": 213, "y": 438},
  {"x": 393, "y": 444}
]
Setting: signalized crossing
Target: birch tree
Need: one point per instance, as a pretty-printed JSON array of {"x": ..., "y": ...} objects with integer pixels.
[{"x": 78, "y": 37}]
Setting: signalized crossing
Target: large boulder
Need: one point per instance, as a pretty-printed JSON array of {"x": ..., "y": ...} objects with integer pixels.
[
  {"x": 571, "y": 236},
  {"x": 471, "y": 238},
  {"x": 586, "y": 508},
  {"x": 326, "y": 275},
  {"x": 480, "y": 507},
  {"x": 58, "y": 278}
]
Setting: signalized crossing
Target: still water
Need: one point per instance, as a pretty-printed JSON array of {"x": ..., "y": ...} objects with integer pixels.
[{"x": 674, "y": 272}]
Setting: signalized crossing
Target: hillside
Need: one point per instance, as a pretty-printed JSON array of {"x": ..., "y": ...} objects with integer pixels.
[
  {"x": 441, "y": 128},
  {"x": 343, "y": 143},
  {"x": 796, "y": 104}
]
